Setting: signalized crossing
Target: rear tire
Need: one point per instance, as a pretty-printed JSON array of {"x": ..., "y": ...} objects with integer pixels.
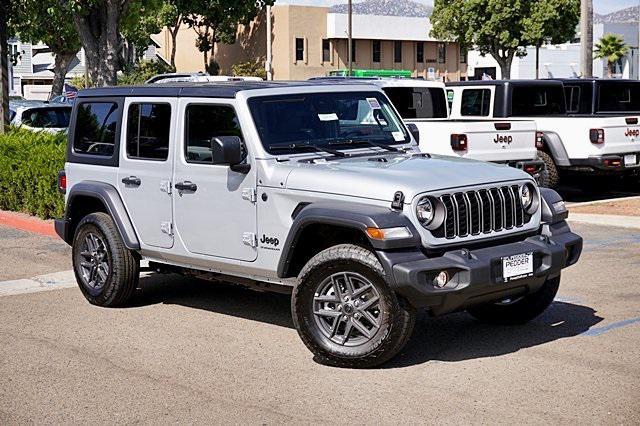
[
  {"x": 551, "y": 177},
  {"x": 345, "y": 312},
  {"x": 106, "y": 271},
  {"x": 521, "y": 310}
]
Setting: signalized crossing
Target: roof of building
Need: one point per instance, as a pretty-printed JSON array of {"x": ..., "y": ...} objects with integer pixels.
[{"x": 406, "y": 8}]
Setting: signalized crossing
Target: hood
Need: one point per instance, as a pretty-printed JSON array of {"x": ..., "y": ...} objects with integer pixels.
[{"x": 379, "y": 177}]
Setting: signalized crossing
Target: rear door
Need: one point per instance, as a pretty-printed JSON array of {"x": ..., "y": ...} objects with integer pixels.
[{"x": 146, "y": 164}]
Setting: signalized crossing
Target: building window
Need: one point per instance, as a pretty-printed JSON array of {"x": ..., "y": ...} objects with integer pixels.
[
  {"x": 420, "y": 52},
  {"x": 376, "y": 51},
  {"x": 326, "y": 50},
  {"x": 397, "y": 51},
  {"x": 442, "y": 53},
  {"x": 463, "y": 55},
  {"x": 353, "y": 50},
  {"x": 299, "y": 49},
  {"x": 148, "y": 131}
]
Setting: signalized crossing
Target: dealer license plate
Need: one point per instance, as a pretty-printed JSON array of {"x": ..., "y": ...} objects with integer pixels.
[
  {"x": 517, "y": 266},
  {"x": 630, "y": 160}
]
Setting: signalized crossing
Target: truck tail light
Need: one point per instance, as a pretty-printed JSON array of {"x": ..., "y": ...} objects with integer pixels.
[
  {"x": 596, "y": 136},
  {"x": 459, "y": 142},
  {"x": 539, "y": 140},
  {"x": 62, "y": 181}
]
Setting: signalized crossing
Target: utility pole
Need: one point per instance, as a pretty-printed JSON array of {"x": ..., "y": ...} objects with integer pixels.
[
  {"x": 586, "y": 38},
  {"x": 350, "y": 37},
  {"x": 268, "y": 62},
  {"x": 4, "y": 66}
]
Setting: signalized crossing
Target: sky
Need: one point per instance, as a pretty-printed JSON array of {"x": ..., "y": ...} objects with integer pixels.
[{"x": 599, "y": 6}]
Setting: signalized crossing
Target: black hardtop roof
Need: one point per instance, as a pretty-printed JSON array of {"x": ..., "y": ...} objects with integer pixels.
[
  {"x": 190, "y": 89},
  {"x": 595, "y": 80},
  {"x": 522, "y": 82}
]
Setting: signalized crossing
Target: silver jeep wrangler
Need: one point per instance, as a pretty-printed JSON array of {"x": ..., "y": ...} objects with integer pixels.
[{"x": 314, "y": 188}]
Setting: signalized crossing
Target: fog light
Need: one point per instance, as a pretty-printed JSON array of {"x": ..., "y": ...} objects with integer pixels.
[{"x": 441, "y": 279}]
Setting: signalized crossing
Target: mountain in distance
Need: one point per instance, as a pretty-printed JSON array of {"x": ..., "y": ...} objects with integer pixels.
[
  {"x": 405, "y": 8},
  {"x": 629, "y": 14}
]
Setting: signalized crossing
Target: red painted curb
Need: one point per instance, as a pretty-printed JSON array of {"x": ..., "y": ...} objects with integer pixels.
[{"x": 27, "y": 223}]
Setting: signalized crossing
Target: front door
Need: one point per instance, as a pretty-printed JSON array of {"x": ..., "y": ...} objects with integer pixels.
[
  {"x": 146, "y": 165},
  {"x": 215, "y": 211}
]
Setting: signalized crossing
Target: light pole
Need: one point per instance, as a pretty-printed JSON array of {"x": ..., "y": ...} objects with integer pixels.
[
  {"x": 586, "y": 38},
  {"x": 350, "y": 36}
]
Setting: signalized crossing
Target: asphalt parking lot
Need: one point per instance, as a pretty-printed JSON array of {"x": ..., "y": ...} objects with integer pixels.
[{"x": 195, "y": 352}]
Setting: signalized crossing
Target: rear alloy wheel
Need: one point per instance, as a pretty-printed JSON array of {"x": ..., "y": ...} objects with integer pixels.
[
  {"x": 94, "y": 268},
  {"x": 345, "y": 312}
]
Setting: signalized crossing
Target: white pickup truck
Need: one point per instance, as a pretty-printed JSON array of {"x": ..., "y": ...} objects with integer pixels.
[
  {"x": 423, "y": 106},
  {"x": 595, "y": 130}
]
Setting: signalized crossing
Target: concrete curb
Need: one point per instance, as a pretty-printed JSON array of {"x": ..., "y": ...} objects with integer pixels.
[
  {"x": 632, "y": 222},
  {"x": 54, "y": 281},
  {"x": 27, "y": 223}
]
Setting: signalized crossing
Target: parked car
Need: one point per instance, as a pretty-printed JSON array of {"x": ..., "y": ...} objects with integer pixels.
[
  {"x": 309, "y": 188},
  {"x": 602, "y": 143},
  {"x": 41, "y": 116},
  {"x": 423, "y": 106}
]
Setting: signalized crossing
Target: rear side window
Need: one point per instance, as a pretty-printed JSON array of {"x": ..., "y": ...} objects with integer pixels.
[
  {"x": 148, "y": 131},
  {"x": 47, "y": 117},
  {"x": 205, "y": 122},
  {"x": 418, "y": 102},
  {"x": 96, "y": 127},
  {"x": 475, "y": 102},
  {"x": 572, "y": 94},
  {"x": 535, "y": 101},
  {"x": 617, "y": 97}
]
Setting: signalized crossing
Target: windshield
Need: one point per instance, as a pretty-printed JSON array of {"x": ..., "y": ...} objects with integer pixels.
[
  {"x": 418, "y": 102},
  {"x": 618, "y": 97},
  {"x": 322, "y": 119},
  {"x": 47, "y": 117}
]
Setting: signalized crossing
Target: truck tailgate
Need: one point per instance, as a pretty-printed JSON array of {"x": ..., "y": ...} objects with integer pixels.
[
  {"x": 498, "y": 140},
  {"x": 621, "y": 134}
]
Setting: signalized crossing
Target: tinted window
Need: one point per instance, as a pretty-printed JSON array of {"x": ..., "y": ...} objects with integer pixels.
[
  {"x": 475, "y": 102},
  {"x": 617, "y": 97},
  {"x": 326, "y": 50},
  {"x": 376, "y": 51},
  {"x": 420, "y": 52},
  {"x": 47, "y": 117},
  {"x": 96, "y": 125},
  {"x": 299, "y": 49},
  {"x": 533, "y": 101},
  {"x": 353, "y": 50},
  {"x": 324, "y": 119},
  {"x": 148, "y": 131},
  {"x": 205, "y": 122},
  {"x": 418, "y": 102},
  {"x": 572, "y": 95},
  {"x": 397, "y": 51},
  {"x": 442, "y": 53}
]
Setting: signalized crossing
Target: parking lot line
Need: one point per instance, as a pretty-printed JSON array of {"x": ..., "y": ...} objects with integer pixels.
[{"x": 596, "y": 331}]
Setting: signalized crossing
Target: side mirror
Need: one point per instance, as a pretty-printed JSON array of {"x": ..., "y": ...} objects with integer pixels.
[
  {"x": 227, "y": 150},
  {"x": 414, "y": 131}
]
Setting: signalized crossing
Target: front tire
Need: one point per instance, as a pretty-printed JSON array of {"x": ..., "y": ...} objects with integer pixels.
[
  {"x": 551, "y": 176},
  {"x": 520, "y": 310},
  {"x": 344, "y": 311},
  {"x": 106, "y": 271}
]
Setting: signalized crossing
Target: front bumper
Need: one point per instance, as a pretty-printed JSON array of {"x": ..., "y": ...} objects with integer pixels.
[
  {"x": 610, "y": 163},
  {"x": 476, "y": 275}
]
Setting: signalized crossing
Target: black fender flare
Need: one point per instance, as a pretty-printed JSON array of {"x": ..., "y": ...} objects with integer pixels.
[
  {"x": 108, "y": 195},
  {"x": 354, "y": 216}
]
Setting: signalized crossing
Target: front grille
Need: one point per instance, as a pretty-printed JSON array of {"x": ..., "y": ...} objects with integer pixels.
[{"x": 481, "y": 212}]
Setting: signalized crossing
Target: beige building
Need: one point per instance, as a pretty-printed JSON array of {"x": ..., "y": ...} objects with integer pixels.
[{"x": 310, "y": 41}]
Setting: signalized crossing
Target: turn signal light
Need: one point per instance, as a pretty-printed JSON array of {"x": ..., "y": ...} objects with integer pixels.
[
  {"x": 539, "y": 140},
  {"x": 389, "y": 233},
  {"x": 596, "y": 136},
  {"x": 459, "y": 142}
]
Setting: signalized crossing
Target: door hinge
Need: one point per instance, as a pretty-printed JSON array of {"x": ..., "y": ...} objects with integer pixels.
[
  {"x": 165, "y": 186},
  {"x": 250, "y": 239},
  {"x": 166, "y": 228},
  {"x": 250, "y": 194}
]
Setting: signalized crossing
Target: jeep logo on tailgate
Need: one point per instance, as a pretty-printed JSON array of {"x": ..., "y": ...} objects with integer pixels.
[
  {"x": 503, "y": 139},
  {"x": 634, "y": 133}
]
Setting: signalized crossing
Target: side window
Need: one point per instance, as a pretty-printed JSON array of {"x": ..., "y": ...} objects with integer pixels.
[
  {"x": 572, "y": 96},
  {"x": 95, "y": 131},
  {"x": 148, "y": 128},
  {"x": 205, "y": 122},
  {"x": 475, "y": 102}
]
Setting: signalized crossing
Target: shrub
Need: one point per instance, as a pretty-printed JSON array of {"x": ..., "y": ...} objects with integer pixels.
[
  {"x": 29, "y": 165},
  {"x": 249, "y": 69}
]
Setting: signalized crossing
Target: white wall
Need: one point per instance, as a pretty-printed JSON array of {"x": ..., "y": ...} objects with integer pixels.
[{"x": 375, "y": 27}]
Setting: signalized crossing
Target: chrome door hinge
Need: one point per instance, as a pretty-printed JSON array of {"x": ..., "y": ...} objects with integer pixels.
[
  {"x": 250, "y": 194},
  {"x": 250, "y": 239},
  {"x": 165, "y": 186},
  {"x": 166, "y": 228}
]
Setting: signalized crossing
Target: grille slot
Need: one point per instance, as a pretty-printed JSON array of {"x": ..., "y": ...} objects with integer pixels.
[{"x": 482, "y": 211}]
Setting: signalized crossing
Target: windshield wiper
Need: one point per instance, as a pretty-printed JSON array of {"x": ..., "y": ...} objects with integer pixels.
[
  {"x": 365, "y": 141},
  {"x": 306, "y": 145}
]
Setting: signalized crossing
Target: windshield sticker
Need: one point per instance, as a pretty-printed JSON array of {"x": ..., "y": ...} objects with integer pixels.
[
  {"x": 398, "y": 136},
  {"x": 328, "y": 117},
  {"x": 373, "y": 103}
]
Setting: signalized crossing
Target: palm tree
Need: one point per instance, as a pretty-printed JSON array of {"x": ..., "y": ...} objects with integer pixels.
[{"x": 612, "y": 48}]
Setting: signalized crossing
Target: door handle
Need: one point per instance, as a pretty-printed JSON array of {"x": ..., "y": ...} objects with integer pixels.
[
  {"x": 186, "y": 186},
  {"x": 132, "y": 181}
]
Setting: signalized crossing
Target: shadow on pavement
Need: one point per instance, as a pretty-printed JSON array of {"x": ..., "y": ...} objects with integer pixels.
[
  {"x": 579, "y": 189},
  {"x": 455, "y": 337}
]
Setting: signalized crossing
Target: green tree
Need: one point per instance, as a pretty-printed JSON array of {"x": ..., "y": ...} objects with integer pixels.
[
  {"x": 216, "y": 21},
  {"x": 249, "y": 69},
  {"x": 171, "y": 18},
  {"x": 502, "y": 28},
  {"x": 612, "y": 48},
  {"x": 48, "y": 22}
]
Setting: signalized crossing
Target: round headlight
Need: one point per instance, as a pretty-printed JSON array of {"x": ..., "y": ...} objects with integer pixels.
[
  {"x": 528, "y": 197},
  {"x": 425, "y": 211}
]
